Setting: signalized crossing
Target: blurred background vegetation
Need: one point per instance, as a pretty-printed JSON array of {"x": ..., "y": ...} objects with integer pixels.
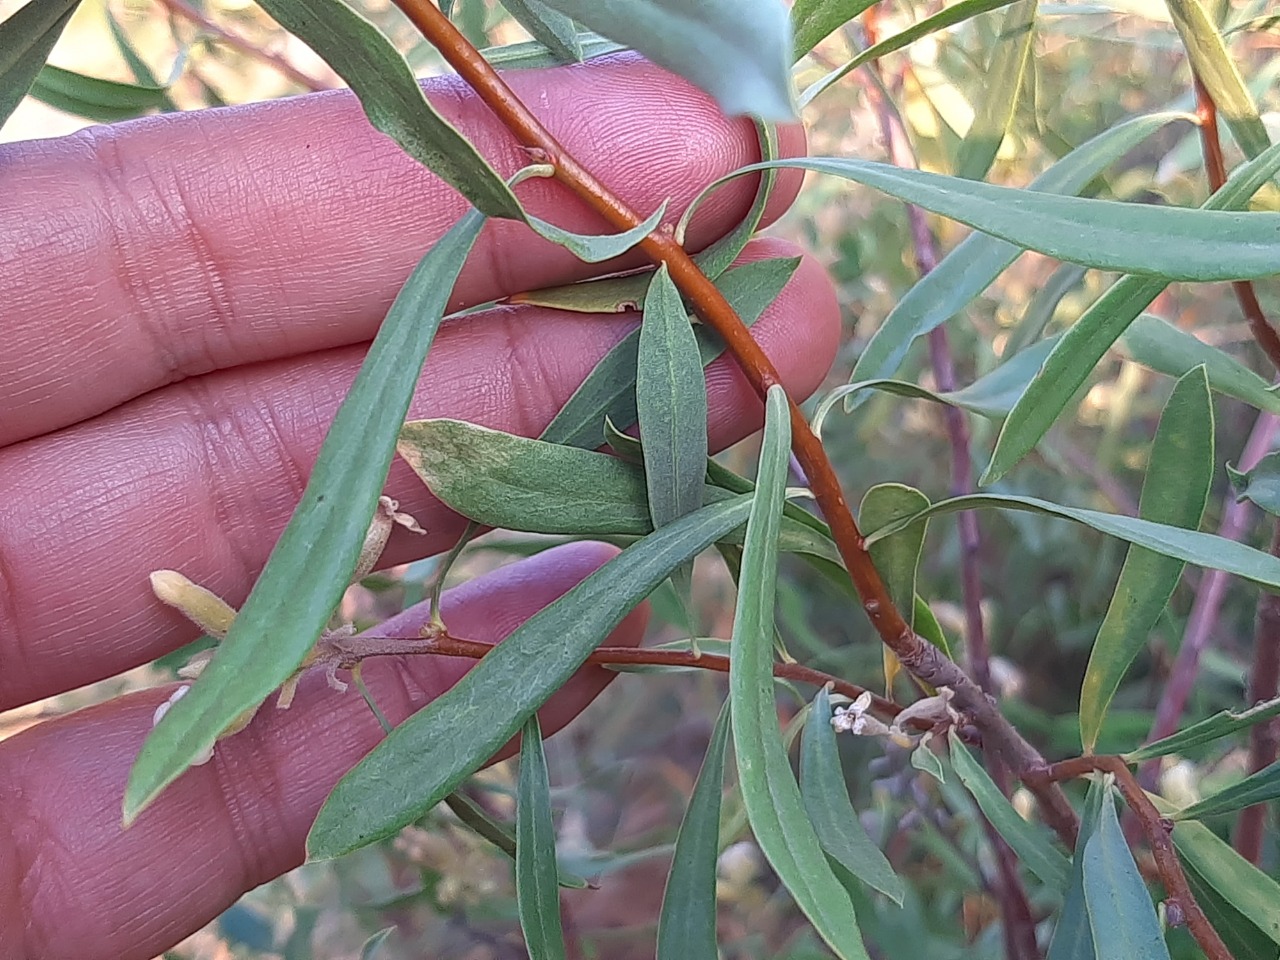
[{"x": 622, "y": 774}]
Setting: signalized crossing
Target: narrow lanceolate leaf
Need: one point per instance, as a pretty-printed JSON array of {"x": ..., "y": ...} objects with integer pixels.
[
  {"x": 739, "y": 51},
  {"x": 812, "y": 21},
  {"x": 973, "y": 265},
  {"x": 671, "y": 401},
  {"x": 717, "y": 258},
  {"x": 1158, "y": 344},
  {"x": 1073, "y": 935},
  {"x": 596, "y": 249},
  {"x": 1261, "y": 485},
  {"x": 898, "y": 556},
  {"x": 106, "y": 101},
  {"x": 537, "y": 889},
  {"x": 1030, "y": 843},
  {"x": 1192, "y": 546},
  {"x": 1241, "y": 935},
  {"x": 1175, "y": 492},
  {"x": 360, "y": 54},
  {"x": 1212, "y": 63},
  {"x": 687, "y": 924},
  {"x": 770, "y": 794},
  {"x": 26, "y": 38},
  {"x": 313, "y": 561},
  {"x": 1124, "y": 922},
  {"x": 609, "y": 391},
  {"x": 1246, "y": 888},
  {"x": 1212, "y": 728},
  {"x": 427, "y": 756},
  {"x": 826, "y": 801},
  {"x": 1255, "y": 788},
  {"x": 1002, "y": 83},
  {"x": 1174, "y": 243},
  {"x": 1090, "y": 337},
  {"x": 549, "y": 27}
]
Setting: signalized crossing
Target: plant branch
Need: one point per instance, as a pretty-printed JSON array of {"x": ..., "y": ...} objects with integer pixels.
[
  {"x": 923, "y": 659},
  {"x": 184, "y": 10},
  {"x": 1157, "y": 830}
]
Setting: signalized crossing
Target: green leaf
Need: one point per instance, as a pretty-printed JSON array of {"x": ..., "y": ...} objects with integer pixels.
[
  {"x": 826, "y": 801},
  {"x": 770, "y": 794},
  {"x": 1192, "y": 546},
  {"x": 1073, "y": 935},
  {"x": 1002, "y": 81},
  {"x": 1175, "y": 491},
  {"x": 928, "y": 627},
  {"x": 359, "y": 53},
  {"x": 1158, "y": 344},
  {"x": 947, "y": 17},
  {"x": 1212, "y": 728},
  {"x": 549, "y": 27},
  {"x": 898, "y": 556},
  {"x": 812, "y": 21},
  {"x": 537, "y": 889},
  {"x": 106, "y": 101},
  {"x": 1242, "y": 937},
  {"x": 1261, "y": 485},
  {"x": 1031, "y": 845},
  {"x": 739, "y": 51},
  {"x": 926, "y": 761},
  {"x": 313, "y": 561},
  {"x": 976, "y": 262},
  {"x": 687, "y": 924},
  {"x": 1088, "y": 339},
  {"x": 671, "y": 401},
  {"x": 1124, "y": 922},
  {"x": 609, "y": 391},
  {"x": 1235, "y": 879},
  {"x": 26, "y": 38},
  {"x": 1174, "y": 243},
  {"x": 1256, "y": 788},
  {"x": 530, "y": 54},
  {"x": 501, "y": 480},
  {"x": 596, "y": 249},
  {"x": 427, "y": 756},
  {"x": 1212, "y": 63},
  {"x": 373, "y": 946}
]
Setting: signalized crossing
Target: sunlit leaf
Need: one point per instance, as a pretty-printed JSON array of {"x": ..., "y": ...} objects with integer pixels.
[
  {"x": 360, "y": 54},
  {"x": 826, "y": 801},
  {"x": 1175, "y": 491},
  {"x": 1256, "y": 788},
  {"x": 1028, "y": 841},
  {"x": 739, "y": 51},
  {"x": 428, "y": 755},
  {"x": 106, "y": 101},
  {"x": 1124, "y": 922},
  {"x": 1212, "y": 728},
  {"x": 26, "y": 38},
  {"x": 687, "y": 924},
  {"x": 549, "y": 27},
  {"x": 812, "y": 21},
  {"x": 1090, "y": 337},
  {"x": 313, "y": 561},
  {"x": 770, "y": 794},
  {"x": 1261, "y": 485},
  {"x": 537, "y": 889}
]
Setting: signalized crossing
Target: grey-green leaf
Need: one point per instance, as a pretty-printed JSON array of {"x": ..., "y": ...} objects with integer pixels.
[
  {"x": 360, "y": 54},
  {"x": 1124, "y": 922},
  {"x": 687, "y": 924},
  {"x": 1252, "y": 892},
  {"x": 549, "y": 27},
  {"x": 591, "y": 248},
  {"x": 671, "y": 403},
  {"x": 1256, "y": 788},
  {"x": 826, "y": 801},
  {"x": 1073, "y": 935},
  {"x": 537, "y": 889},
  {"x": 976, "y": 262},
  {"x": 739, "y": 51},
  {"x": 812, "y": 21},
  {"x": 898, "y": 556},
  {"x": 1030, "y": 843},
  {"x": 106, "y": 101},
  {"x": 372, "y": 947},
  {"x": 1261, "y": 485},
  {"x": 1174, "y": 491},
  {"x": 312, "y": 563},
  {"x": 1220, "y": 725},
  {"x": 26, "y": 38},
  {"x": 770, "y": 794},
  {"x": 428, "y": 755}
]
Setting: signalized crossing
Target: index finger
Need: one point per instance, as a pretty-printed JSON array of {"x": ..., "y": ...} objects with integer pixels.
[{"x": 138, "y": 255}]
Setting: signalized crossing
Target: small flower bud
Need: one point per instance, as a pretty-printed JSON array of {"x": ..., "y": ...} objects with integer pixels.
[{"x": 205, "y": 609}]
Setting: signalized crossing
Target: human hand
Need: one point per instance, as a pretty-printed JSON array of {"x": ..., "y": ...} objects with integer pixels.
[{"x": 186, "y": 300}]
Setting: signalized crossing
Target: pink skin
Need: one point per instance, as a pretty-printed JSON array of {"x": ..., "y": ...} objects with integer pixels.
[{"x": 186, "y": 301}]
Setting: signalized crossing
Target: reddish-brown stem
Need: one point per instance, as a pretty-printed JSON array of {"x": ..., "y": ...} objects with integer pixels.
[
  {"x": 1156, "y": 829},
  {"x": 920, "y": 657},
  {"x": 184, "y": 10}
]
